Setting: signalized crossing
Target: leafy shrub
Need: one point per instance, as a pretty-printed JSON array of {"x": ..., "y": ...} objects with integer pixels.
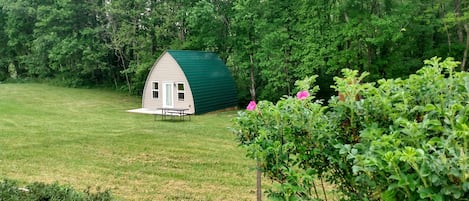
[
  {"x": 9, "y": 190},
  {"x": 399, "y": 139}
]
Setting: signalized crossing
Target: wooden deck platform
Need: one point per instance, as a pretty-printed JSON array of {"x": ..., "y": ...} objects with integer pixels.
[{"x": 164, "y": 112}]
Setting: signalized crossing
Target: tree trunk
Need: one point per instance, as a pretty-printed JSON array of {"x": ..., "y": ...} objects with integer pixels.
[
  {"x": 448, "y": 35},
  {"x": 287, "y": 65},
  {"x": 182, "y": 31},
  {"x": 369, "y": 55},
  {"x": 457, "y": 10},
  {"x": 253, "y": 97},
  {"x": 121, "y": 57},
  {"x": 464, "y": 58},
  {"x": 253, "y": 84},
  {"x": 258, "y": 181},
  {"x": 346, "y": 17}
]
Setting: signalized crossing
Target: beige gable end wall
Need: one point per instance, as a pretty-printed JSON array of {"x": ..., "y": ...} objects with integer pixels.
[{"x": 167, "y": 70}]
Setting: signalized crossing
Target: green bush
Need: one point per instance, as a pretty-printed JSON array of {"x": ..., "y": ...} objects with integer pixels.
[
  {"x": 399, "y": 139},
  {"x": 10, "y": 191}
]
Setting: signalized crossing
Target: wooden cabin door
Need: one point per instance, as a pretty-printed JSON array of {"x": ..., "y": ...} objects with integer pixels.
[{"x": 168, "y": 95}]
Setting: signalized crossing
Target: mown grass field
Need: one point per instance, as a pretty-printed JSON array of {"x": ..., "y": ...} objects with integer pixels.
[{"x": 84, "y": 138}]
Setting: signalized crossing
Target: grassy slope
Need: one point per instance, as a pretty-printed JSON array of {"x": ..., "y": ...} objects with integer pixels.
[{"x": 84, "y": 138}]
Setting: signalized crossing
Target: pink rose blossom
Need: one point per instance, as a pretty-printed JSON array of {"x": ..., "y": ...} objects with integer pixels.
[
  {"x": 251, "y": 106},
  {"x": 302, "y": 95}
]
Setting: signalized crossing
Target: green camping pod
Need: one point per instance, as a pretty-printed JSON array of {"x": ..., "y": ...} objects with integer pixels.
[{"x": 194, "y": 80}]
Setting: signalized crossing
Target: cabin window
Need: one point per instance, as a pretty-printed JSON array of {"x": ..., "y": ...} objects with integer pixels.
[
  {"x": 181, "y": 91},
  {"x": 155, "y": 90}
]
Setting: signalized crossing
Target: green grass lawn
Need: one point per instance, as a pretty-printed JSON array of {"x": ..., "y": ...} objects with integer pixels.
[{"x": 84, "y": 138}]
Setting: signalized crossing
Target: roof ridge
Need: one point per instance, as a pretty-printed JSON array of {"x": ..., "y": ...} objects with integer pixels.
[{"x": 201, "y": 51}]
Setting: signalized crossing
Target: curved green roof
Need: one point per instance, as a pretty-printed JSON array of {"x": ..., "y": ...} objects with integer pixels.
[{"x": 213, "y": 87}]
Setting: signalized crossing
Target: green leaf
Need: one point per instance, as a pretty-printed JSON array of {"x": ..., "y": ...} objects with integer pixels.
[
  {"x": 389, "y": 195},
  {"x": 452, "y": 190},
  {"x": 356, "y": 169},
  {"x": 425, "y": 192},
  {"x": 437, "y": 197},
  {"x": 465, "y": 186}
]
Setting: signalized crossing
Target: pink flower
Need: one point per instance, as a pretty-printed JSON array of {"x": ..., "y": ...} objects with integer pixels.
[
  {"x": 251, "y": 106},
  {"x": 302, "y": 95}
]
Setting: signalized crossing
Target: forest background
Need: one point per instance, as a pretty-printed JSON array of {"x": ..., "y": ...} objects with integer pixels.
[{"x": 267, "y": 44}]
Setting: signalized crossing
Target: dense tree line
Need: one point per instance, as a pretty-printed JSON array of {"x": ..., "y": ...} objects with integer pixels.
[{"x": 267, "y": 44}]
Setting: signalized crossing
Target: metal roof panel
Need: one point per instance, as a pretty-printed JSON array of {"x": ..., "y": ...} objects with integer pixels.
[{"x": 211, "y": 83}]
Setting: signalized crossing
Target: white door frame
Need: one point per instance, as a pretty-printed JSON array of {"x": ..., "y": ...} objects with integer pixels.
[{"x": 168, "y": 90}]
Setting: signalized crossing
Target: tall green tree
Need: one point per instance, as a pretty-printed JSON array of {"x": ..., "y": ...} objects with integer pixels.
[
  {"x": 246, "y": 32},
  {"x": 18, "y": 27},
  {"x": 457, "y": 18},
  {"x": 67, "y": 41},
  {"x": 138, "y": 31},
  {"x": 3, "y": 50},
  {"x": 278, "y": 46},
  {"x": 120, "y": 25},
  {"x": 208, "y": 26}
]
